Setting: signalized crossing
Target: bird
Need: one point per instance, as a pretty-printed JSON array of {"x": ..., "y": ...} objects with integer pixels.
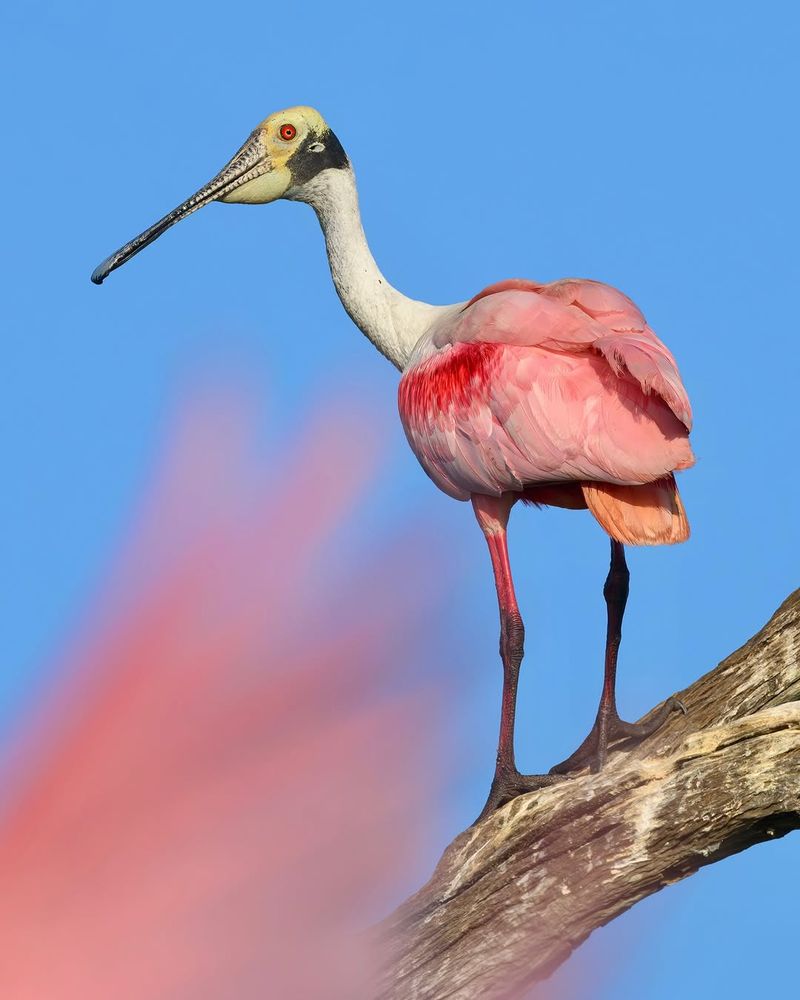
[{"x": 553, "y": 394}]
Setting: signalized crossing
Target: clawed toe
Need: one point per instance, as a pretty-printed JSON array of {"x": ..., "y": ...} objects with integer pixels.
[
  {"x": 509, "y": 785},
  {"x": 640, "y": 730},
  {"x": 608, "y": 729}
]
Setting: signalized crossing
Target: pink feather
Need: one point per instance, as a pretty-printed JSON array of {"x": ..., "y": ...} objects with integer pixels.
[{"x": 533, "y": 384}]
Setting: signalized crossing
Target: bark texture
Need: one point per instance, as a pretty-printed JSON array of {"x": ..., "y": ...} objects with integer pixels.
[{"x": 513, "y": 896}]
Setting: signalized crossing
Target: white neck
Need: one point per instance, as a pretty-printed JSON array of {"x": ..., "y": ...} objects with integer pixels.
[{"x": 393, "y": 322}]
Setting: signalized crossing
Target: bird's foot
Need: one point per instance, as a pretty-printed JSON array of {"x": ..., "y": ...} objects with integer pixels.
[
  {"x": 608, "y": 728},
  {"x": 508, "y": 784}
]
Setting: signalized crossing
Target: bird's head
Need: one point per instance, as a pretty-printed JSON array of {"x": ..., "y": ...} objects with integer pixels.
[{"x": 280, "y": 156}]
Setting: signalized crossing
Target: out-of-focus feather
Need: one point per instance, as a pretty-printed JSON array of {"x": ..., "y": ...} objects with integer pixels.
[{"x": 223, "y": 787}]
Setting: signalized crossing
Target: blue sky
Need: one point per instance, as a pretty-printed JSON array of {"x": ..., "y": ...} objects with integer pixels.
[{"x": 651, "y": 146}]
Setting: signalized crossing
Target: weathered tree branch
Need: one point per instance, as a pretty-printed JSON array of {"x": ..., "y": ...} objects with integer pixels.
[{"x": 512, "y": 897}]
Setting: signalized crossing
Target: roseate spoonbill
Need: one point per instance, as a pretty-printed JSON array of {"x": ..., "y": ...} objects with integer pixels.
[{"x": 554, "y": 394}]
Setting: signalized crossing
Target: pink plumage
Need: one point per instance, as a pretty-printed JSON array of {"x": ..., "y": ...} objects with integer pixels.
[
  {"x": 559, "y": 392},
  {"x": 555, "y": 394}
]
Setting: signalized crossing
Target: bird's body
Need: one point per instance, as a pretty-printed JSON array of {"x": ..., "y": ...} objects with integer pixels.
[
  {"x": 539, "y": 389},
  {"x": 558, "y": 394}
]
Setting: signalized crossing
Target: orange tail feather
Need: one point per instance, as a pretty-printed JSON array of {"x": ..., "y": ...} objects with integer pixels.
[{"x": 650, "y": 514}]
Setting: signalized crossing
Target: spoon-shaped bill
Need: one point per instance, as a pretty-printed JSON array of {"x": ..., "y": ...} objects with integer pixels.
[{"x": 250, "y": 161}]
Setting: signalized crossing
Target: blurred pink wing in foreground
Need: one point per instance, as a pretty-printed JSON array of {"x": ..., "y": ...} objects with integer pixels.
[{"x": 223, "y": 789}]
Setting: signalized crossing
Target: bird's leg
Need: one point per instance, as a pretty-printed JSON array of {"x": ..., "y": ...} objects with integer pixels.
[
  {"x": 608, "y": 726},
  {"x": 492, "y": 514}
]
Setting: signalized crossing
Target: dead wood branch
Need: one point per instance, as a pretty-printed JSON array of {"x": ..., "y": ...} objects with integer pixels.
[{"x": 513, "y": 897}]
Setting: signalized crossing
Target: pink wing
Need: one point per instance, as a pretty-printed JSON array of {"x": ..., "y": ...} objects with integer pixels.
[
  {"x": 544, "y": 383},
  {"x": 557, "y": 319}
]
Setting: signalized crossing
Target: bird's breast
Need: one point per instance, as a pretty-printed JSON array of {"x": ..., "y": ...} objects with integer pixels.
[{"x": 447, "y": 378}]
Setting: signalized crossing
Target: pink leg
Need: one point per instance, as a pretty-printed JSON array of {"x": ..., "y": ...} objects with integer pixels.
[{"x": 492, "y": 514}]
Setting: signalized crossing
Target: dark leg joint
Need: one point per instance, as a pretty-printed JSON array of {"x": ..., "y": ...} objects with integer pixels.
[
  {"x": 618, "y": 579},
  {"x": 617, "y": 584},
  {"x": 512, "y": 640}
]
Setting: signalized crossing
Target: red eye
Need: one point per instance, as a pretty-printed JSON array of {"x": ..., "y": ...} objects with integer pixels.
[{"x": 287, "y": 132}]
